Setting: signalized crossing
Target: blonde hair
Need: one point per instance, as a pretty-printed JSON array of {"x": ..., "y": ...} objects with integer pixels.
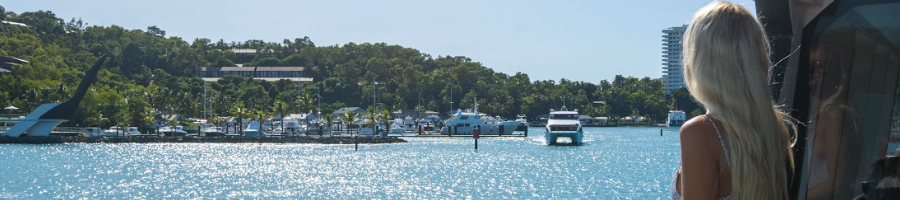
[{"x": 726, "y": 68}]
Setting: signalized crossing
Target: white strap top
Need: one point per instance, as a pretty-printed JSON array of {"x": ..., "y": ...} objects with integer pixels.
[{"x": 676, "y": 195}]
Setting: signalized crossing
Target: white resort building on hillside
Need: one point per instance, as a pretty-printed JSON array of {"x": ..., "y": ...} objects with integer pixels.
[
  {"x": 294, "y": 74},
  {"x": 672, "y": 78}
]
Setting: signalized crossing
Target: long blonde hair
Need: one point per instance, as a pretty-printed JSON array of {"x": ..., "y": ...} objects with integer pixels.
[{"x": 726, "y": 68}]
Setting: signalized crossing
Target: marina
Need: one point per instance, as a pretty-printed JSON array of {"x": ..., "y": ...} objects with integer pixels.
[{"x": 391, "y": 109}]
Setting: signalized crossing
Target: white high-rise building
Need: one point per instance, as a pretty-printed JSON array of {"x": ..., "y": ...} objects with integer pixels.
[{"x": 672, "y": 78}]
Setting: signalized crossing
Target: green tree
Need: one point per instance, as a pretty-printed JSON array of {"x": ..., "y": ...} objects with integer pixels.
[
  {"x": 348, "y": 118},
  {"x": 280, "y": 108},
  {"x": 329, "y": 120},
  {"x": 241, "y": 112}
]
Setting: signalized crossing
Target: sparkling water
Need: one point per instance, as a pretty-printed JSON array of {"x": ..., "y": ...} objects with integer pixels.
[{"x": 614, "y": 163}]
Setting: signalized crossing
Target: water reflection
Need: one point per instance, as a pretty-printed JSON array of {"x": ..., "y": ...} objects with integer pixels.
[{"x": 615, "y": 162}]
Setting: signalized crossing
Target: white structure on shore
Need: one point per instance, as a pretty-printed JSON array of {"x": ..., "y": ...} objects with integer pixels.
[{"x": 672, "y": 78}]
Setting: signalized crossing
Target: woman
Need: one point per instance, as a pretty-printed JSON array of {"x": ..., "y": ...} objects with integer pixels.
[{"x": 740, "y": 149}]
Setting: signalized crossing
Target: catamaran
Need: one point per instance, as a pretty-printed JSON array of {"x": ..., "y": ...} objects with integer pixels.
[{"x": 563, "y": 123}]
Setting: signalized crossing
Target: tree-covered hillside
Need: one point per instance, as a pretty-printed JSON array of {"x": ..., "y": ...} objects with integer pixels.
[{"x": 151, "y": 73}]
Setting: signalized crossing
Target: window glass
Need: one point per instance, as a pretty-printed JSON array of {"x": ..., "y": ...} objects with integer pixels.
[{"x": 854, "y": 101}]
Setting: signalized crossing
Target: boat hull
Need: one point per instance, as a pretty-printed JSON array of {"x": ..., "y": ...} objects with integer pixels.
[
  {"x": 576, "y": 136},
  {"x": 486, "y": 129}
]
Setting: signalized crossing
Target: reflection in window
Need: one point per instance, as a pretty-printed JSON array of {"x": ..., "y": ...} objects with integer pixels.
[{"x": 854, "y": 63}]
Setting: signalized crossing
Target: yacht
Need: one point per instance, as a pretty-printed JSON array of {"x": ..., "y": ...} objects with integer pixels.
[
  {"x": 367, "y": 131},
  {"x": 523, "y": 123},
  {"x": 563, "y": 123},
  {"x": 214, "y": 132},
  {"x": 93, "y": 131},
  {"x": 252, "y": 130},
  {"x": 317, "y": 127},
  {"x": 268, "y": 127},
  {"x": 409, "y": 125},
  {"x": 397, "y": 126},
  {"x": 463, "y": 123},
  {"x": 114, "y": 131},
  {"x": 291, "y": 127},
  {"x": 176, "y": 131},
  {"x": 132, "y": 131},
  {"x": 429, "y": 123},
  {"x": 676, "y": 118}
]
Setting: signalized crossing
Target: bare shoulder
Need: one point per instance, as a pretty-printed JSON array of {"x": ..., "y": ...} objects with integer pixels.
[{"x": 698, "y": 133}]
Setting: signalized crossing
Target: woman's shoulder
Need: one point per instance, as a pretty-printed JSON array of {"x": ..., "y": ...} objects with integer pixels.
[{"x": 699, "y": 131}]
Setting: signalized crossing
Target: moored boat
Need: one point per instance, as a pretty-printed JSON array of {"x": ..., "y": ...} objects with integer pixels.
[
  {"x": 523, "y": 123},
  {"x": 252, "y": 130},
  {"x": 464, "y": 123},
  {"x": 214, "y": 132}
]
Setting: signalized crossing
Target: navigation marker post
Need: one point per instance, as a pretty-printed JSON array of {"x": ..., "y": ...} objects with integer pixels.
[{"x": 476, "y": 134}]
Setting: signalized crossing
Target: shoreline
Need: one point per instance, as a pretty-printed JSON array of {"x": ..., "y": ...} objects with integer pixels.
[{"x": 279, "y": 140}]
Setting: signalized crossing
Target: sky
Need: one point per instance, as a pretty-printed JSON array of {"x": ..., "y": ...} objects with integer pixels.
[{"x": 590, "y": 40}]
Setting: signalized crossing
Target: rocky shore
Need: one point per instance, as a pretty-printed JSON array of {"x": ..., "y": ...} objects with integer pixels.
[{"x": 237, "y": 139}]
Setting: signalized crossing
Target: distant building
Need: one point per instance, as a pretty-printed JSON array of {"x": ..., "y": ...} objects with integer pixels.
[
  {"x": 14, "y": 23},
  {"x": 247, "y": 55},
  {"x": 295, "y": 74},
  {"x": 672, "y": 78}
]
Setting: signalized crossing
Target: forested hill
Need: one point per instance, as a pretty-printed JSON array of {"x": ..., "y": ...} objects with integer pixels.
[{"x": 151, "y": 73}]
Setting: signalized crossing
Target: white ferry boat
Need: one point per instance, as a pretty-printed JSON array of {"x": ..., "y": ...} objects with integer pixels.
[
  {"x": 563, "y": 123},
  {"x": 676, "y": 118}
]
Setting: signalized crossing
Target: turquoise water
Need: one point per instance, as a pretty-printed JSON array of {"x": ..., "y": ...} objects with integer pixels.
[{"x": 614, "y": 163}]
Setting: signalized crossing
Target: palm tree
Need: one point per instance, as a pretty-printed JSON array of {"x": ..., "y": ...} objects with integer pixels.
[
  {"x": 259, "y": 116},
  {"x": 328, "y": 121},
  {"x": 348, "y": 118},
  {"x": 385, "y": 116},
  {"x": 305, "y": 102},
  {"x": 280, "y": 108},
  {"x": 240, "y": 112},
  {"x": 371, "y": 116}
]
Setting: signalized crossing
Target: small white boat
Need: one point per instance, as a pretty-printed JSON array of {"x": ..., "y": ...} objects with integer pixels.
[
  {"x": 291, "y": 127},
  {"x": 169, "y": 131},
  {"x": 252, "y": 130},
  {"x": 317, "y": 127},
  {"x": 563, "y": 123},
  {"x": 132, "y": 131},
  {"x": 523, "y": 123},
  {"x": 397, "y": 127},
  {"x": 93, "y": 131},
  {"x": 409, "y": 125},
  {"x": 367, "y": 131},
  {"x": 214, "y": 131},
  {"x": 428, "y": 124},
  {"x": 676, "y": 118},
  {"x": 112, "y": 132}
]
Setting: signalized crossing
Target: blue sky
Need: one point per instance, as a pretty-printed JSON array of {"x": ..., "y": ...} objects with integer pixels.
[{"x": 578, "y": 40}]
